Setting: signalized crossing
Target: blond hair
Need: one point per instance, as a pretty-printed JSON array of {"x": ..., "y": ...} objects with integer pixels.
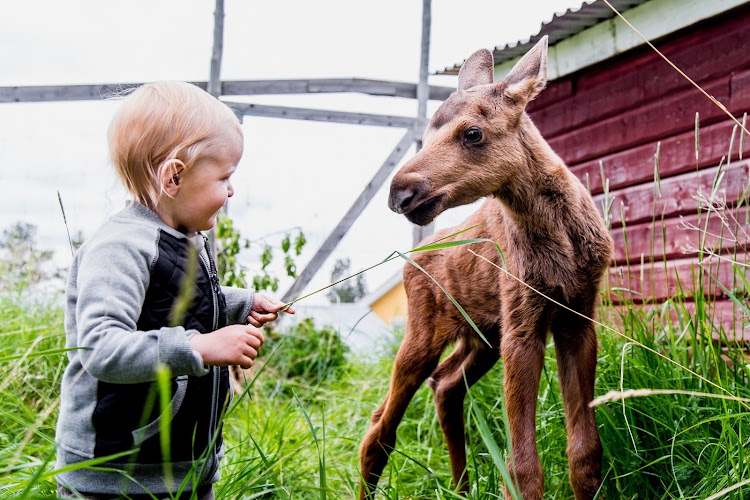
[{"x": 159, "y": 125}]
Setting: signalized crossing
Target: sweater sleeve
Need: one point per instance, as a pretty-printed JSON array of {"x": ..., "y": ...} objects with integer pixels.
[
  {"x": 239, "y": 303},
  {"x": 112, "y": 279}
]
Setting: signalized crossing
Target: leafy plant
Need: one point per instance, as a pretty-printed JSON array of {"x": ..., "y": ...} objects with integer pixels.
[{"x": 230, "y": 244}]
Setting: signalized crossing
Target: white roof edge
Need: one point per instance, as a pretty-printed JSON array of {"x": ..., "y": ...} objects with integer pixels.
[{"x": 612, "y": 37}]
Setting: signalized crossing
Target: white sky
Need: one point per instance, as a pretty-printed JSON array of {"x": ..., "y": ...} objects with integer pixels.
[{"x": 292, "y": 173}]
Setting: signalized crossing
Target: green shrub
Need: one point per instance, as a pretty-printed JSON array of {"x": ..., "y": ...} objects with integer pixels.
[{"x": 305, "y": 355}]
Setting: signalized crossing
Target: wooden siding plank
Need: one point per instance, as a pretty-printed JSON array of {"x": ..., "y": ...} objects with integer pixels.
[
  {"x": 730, "y": 317},
  {"x": 740, "y": 88},
  {"x": 556, "y": 91},
  {"x": 677, "y": 237},
  {"x": 676, "y": 156},
  {"x": 639, "y": 203},
  {"x": 660, "y": 281},
  {"x": 669, "y": 116}
]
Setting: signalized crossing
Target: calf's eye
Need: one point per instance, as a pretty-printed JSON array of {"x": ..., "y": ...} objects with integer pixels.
[{"x": 473, "y": 135}]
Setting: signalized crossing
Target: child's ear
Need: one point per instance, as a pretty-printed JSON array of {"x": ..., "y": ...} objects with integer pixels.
[{"x": 169, "y": 176}]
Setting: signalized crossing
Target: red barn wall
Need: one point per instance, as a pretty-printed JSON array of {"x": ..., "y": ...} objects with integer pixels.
[{"x": 612, "y": 116}]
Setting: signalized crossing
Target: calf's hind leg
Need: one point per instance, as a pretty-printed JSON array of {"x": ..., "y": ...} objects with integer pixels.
[
  {"x": 416, "y": 359},
  {"x": 449, "y": 384}
]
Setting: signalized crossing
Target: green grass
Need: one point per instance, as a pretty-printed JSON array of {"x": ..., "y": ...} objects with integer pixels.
[
  {"x": 296, "y": 431},
  {"x": 32, "y": 362}
]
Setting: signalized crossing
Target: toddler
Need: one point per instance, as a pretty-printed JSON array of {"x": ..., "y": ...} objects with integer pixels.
[{"x": 143, "y": 293}]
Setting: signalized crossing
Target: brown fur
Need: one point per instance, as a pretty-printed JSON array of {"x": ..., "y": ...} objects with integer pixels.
[{"x": 553, "y": 238}]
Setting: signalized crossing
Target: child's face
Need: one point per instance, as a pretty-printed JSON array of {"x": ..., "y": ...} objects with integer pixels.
[{"x": 205, "y": 187}]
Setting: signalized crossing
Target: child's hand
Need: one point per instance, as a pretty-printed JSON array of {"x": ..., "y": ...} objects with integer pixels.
[
  {"x": 231, "y": 345},
  {"x": 265, "y": 310}
]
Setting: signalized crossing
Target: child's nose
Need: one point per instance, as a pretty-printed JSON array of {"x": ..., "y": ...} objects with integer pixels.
[{"x": 230, "y": 191}]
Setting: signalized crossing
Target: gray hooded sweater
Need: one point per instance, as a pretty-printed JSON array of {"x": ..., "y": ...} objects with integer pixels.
[{"x": 121, "y": 295}]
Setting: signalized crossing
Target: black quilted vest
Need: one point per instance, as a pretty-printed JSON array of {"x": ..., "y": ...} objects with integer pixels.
[{"x": 127, "y": 415}]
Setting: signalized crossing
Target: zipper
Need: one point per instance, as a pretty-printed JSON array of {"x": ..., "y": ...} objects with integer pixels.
[
  {"x": 213, "y": 276},
  {"x": 212, "y": 465}
]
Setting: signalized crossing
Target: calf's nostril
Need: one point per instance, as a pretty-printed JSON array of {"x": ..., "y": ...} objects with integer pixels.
[
  {"x": 401, "y": 199},
  {"x": 406, "y": 199}
]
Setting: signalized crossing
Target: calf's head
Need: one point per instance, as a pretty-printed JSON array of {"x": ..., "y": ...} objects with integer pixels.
[{"x": 473, "y": 144}]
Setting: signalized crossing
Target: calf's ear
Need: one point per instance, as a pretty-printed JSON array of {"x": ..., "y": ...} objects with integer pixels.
[
  {"x": 476, "y": 70},
  {"x": 529, "y": 76}
]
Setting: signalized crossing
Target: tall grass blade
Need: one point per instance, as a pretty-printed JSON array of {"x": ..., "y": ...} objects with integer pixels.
[
  {"x": 640, "y": 393},
  {"x": 187, "y": 289},
  {"x": 657, "y": 179},
  {"x": 164, "y": 382},
  {"x": 38, "y": 354},
  {"x": 321, "y": 454},
  {"x": 723, "y": 493},
  {"x": 65, "y": 221},
  {"x": 742, "y": 136},
  {"x": 622, "y": 388},
  {"x": 607, "y": 199},
  {"x": 89, "y": 464},
  {"x": 697, "y": 139},
  {"x": 249, "y": 385},
  {"x": 491, "y": 444}
]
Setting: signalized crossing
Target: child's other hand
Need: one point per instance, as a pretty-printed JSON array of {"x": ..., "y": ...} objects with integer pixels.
[
  {"x": 231, "y": 345},
  {"x": 265, "y": 310}
]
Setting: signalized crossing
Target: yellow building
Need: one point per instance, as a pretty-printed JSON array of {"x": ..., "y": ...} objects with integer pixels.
[{"x": 389, "y": 301}]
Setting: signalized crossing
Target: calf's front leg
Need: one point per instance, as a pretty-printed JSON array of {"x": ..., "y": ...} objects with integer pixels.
[{"x": 522, "y": 350}]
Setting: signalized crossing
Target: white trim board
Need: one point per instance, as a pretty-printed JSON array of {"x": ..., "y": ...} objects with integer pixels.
[{"x": 612, "y": 37}]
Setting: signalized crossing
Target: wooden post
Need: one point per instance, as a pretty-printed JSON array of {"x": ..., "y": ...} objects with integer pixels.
[
  {"x": 214, "y": 86},
  {"x": 423, "y": 88},
  {"x": 214, "y": 81},
  {"x": 423, "y": 94}
]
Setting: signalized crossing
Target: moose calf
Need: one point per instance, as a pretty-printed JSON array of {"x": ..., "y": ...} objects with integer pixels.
[{"x": 480, "y": 142}]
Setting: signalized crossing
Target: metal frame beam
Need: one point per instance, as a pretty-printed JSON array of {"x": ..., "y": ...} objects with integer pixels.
[
  {"x": 47, "y": 93},
  {"x": 321, "y": 115}
]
